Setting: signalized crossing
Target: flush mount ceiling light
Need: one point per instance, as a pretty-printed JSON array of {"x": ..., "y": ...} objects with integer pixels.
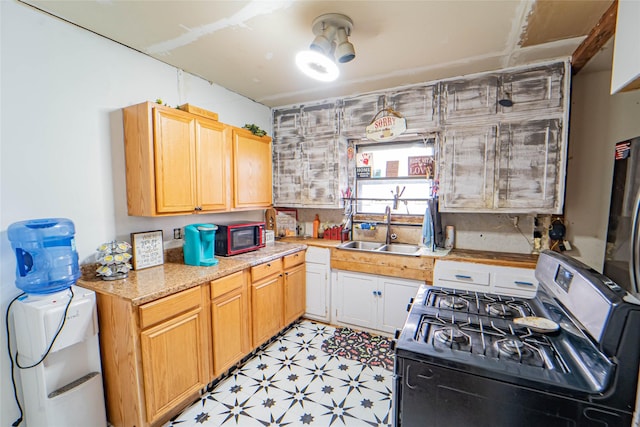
[{"x": 332, "y": 31}]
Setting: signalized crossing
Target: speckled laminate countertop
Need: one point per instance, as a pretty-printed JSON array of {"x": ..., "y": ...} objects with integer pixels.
[{"x": 146, "y": 285}]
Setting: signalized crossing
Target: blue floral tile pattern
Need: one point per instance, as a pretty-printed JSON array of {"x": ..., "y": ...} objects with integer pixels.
[{"x": 294, "y": 382}]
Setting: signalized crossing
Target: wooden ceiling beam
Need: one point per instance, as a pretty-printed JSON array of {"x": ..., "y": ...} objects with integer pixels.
[{"x": 596, "y": 39}]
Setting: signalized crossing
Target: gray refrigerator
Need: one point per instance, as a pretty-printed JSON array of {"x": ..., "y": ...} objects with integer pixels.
[{"x": 623, "y": 244}]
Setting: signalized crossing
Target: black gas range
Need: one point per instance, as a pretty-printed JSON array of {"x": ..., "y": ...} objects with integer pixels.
[{"x": 466, "y": 359}]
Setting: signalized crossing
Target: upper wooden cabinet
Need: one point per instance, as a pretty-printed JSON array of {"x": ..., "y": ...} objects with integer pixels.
[
  {"x": 176, "y": 162},
  {"x": 513, "y": 167},
  {"x": 469, "y": 98},
  {"x": 252, "y": 177}
]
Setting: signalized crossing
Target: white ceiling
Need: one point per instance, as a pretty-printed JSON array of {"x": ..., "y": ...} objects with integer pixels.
[{"x": 248, "y": 46}]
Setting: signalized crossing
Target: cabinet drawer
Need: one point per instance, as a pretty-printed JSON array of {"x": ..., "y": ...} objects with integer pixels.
[
  {"x": 293, "y": 259},
  {"x": 227, "y": 284},
  {"x": 168, "y": 307},
  {"x": 516, "y": 279},
  {"x": 459, "y": 272},
  {"x": 267, "y": 269}
]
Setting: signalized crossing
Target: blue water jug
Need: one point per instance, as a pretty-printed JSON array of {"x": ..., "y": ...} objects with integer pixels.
[{"x": 46, "y": 255}]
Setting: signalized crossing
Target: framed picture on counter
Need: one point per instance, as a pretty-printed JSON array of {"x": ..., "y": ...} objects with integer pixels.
[{"x": 148, "y": 250}]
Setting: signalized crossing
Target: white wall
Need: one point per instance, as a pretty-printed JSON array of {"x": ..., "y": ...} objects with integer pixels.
[
  {"x": 61, "y": 146},
  {"x": 598, "y": 121}
]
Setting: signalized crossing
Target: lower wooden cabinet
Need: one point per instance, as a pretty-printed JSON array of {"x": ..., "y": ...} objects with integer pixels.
[
  {"x": 158, "y": 356},
  {"x": 266, "y": 301},
  {"x": 229, "y": 321},
  {"x": 294, "y": 287},
  {"x": 155, "y": 357}
]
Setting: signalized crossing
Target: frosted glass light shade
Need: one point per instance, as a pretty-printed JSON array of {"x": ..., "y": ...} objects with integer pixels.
[{"x": 317, "y": 66}]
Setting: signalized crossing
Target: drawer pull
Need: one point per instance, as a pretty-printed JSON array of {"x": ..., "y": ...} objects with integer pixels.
[
  {"x": 463, "y": 277},
  {"x": 518, "y": 282},
  {"x": 269, "y": 265}
]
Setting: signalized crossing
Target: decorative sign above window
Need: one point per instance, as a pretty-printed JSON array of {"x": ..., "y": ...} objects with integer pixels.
[{"x": 386, "y": 127}]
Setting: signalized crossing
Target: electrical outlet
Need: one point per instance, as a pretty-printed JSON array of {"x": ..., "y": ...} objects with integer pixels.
[{"x": 177, "y": 233}]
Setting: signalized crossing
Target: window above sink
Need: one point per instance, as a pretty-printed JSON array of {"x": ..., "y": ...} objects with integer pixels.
[{"x": 404, "y": 169}]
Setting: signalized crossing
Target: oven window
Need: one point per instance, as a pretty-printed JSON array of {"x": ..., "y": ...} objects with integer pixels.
[
  {"x": 242, "y": 238},
  {"x": 563, "y": 278}
]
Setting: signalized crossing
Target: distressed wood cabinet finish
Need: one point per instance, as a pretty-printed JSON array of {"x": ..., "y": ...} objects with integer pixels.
[
  {"x": 252, "y": 178},
  {"x": 467, "y": 167},
  {"x": 479, "y": 140},
  {"x": 469, "y": 98},
  {"x": 358, "y": 112},
  {"x": 515, "y": 167},
  {"x": 287, "y": 171},
  {"x": 307, "y": 163},
  {"x": 319, "y": 120},
  {"x": 176, "y": 162},
  {"x": 418, "y": 105},
  {"x": 528, "y": 166},
  {"x": 534, "y": 90}
]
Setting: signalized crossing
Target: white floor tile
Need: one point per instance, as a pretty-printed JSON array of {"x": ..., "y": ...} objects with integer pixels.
[{"x": 293, "y": 382}]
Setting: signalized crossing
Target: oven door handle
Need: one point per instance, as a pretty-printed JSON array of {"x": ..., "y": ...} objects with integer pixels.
[{"x": 424, "y": 377}]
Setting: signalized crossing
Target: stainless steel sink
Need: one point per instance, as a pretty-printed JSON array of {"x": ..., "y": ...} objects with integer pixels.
[
  {"x": 360, "y": 246},
  {"x": 400, "y": 249},
  {"x": 391, "y": 249}
]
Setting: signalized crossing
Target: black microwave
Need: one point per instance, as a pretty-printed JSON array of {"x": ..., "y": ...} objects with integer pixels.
[{"x": 238, "y": 237}]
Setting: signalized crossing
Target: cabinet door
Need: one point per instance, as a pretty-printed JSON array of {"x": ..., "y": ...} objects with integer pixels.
[
  {"x": 358, "y": 112},
  {"x": 174, "y": 161},
  {"x": 317, "y": 291},
  {"x": 230, "y": 322},
  {"x": 539, "y": 88},
  {"x": 286, "y": 123},
  {"x": 467, "y": 168},
  {"x": 469, "y": 98},
  {"x": 173, "y": 362},
  {"x": 294, "y": 293},
  {"x": 393, "y": 301},
  {"x": 320, "y": 173},
  {"x": 320, "y": 120},
  {"x": 357, "y": 299},
  {"x": 287, "y": 167},
  {"x": 529, "y": 166},
  {"x": 417, "y": 105},
  {"x": 266, "y": 309},
  {"x": 252, "y": 170},
  {"x": 212, "y": 154}
]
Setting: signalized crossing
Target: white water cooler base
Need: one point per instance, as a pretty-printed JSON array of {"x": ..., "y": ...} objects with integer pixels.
[{"x": 66, "y": 388}]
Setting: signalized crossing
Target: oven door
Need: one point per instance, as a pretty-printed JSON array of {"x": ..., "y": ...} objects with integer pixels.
[{"x": 437, "y": 396}]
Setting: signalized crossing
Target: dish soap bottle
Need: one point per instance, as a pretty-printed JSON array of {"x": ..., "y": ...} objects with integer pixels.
[{"x": 316, "y": 226}]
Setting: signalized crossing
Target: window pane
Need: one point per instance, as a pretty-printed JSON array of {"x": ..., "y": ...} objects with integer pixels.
[{"x": 390, "y": 171}]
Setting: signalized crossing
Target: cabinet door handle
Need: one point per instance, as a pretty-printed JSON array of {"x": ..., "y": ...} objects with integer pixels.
[
  {"x": 463, "y": 277},
  {"x": 379, "y": 293},
  {"x": 518, "y": 282},
  {"x": 374, "y": 293}
]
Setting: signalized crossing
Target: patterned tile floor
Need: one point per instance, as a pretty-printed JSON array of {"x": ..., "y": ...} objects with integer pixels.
[{"x": 293, "y": 382}]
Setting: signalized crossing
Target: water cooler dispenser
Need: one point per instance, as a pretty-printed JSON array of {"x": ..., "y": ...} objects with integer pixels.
[
  {"x": 56, "y": 329},
  {"x": 66, "y": 388}
]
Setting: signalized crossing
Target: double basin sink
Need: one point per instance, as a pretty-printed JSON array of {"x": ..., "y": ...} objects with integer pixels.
[{"x": 391, "y": 248}]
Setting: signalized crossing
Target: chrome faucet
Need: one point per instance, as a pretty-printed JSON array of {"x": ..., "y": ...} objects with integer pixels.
[{"x": 387, "y": 214}]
